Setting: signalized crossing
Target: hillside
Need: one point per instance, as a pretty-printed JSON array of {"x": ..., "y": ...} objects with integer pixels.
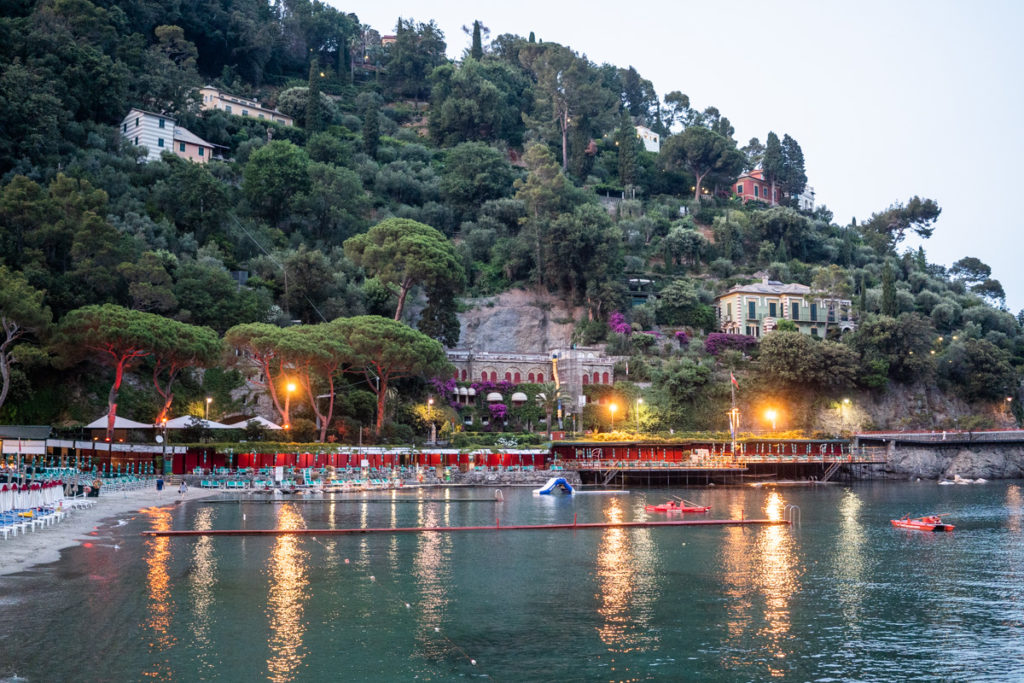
[{"x": 356, "y": 180}]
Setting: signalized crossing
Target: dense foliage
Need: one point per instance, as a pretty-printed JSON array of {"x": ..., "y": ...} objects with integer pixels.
[{"x": 409, "y": 181}]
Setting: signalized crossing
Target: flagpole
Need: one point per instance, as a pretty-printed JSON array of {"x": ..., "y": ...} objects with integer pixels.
[{"x": 734, "y": 418}]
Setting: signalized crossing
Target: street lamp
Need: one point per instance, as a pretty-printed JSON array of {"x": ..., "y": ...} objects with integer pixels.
[
  {"x": 289, "y": 388},
  {"x": 770, "y": 415},
  {"x": 613, "y": 408},
  {"x": 844, "y": 407},
  {"x": 639, "y": 400},
  {"x": 430, "y": 416},
  {"x": 206, "y": 414}
]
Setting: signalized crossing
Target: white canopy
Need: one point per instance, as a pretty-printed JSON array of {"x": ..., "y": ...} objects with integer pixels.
[
  {"x": 119, "y": 423},
  {"x": 494, "y": 396},
  {"x": 519, "y": 397},
  {"x": 186, "y": 420},
  {"x": 261, "y": 421}
]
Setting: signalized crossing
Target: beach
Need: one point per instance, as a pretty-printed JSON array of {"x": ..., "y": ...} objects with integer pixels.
[{"x": 42, "y": 546}]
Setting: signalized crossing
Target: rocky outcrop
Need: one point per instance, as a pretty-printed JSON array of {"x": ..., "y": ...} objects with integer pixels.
[
  {"x": 984, "y": 461},
  {"x": 517, "y": 321}
]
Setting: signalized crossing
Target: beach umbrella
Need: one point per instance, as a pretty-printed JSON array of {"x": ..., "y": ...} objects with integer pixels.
[{"x": 6, "y": 498}]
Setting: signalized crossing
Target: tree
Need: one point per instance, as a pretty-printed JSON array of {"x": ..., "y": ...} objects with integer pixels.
[
  {"x": 679, "y": 304},
  {"x": 473, "y": 174},
  {"x": 885, "y": 230},
  {"x": 386, "y": 350},
  {"x": 702, "y": 151},
  {"x": 796, "y": 361},
  {"x": 273, "y": 175},
  {"x": 979, "y": 370},
  {"x": 971, "y": 270},
  {"x": 318, "y": 355},
  {"x": 259, "y": 345},
  {"x": 477, "y": 49},
  {"x": 831, "y": 285},
  {"x": 406, "y": 253},
  {"x": 794, "y": 177},
  {"x": 314, "y": 107},
  {"x": 417, "y": 49},
  {"x": 116, "y": 336},
  {"x": 773, "y": 163},
  {"x": 179, "y": 346},
  {"x": 22, "y": 313}
]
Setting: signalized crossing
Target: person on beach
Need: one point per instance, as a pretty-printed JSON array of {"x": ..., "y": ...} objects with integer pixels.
[
  {"x": 159, "y": 484},
  {"x": 183, "y": 489}
]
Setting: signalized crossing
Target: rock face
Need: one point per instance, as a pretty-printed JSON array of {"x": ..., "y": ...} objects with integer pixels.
[
  {"x": 985, "y": 461},
  {"x": 517, "y": 321}
]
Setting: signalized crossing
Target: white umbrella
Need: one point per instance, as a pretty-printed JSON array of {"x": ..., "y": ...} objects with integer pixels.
[
  {"x": 6, "y": 497},
  {"x": 119, "y": 423},
  {"x": 261, "y": 421},
  {"x": 188, "y": 420}
]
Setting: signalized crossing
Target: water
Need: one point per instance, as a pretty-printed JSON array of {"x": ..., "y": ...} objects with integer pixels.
[{"x": 845, "y": 597}]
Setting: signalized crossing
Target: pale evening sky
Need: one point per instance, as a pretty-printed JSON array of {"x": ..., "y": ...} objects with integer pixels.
[{"x": 887, "y": 98}]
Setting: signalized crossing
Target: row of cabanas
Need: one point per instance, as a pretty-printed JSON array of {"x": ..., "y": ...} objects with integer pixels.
[
  {"x": 15, "y": 496},
  {"x": 179, "y": 423}
]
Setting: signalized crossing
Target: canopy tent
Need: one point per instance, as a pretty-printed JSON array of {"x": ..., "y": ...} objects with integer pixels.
[
  {"x": 119, "y": 423},
  {"x": 261, "y": 421},
  {"x": 187, "y": 420}
]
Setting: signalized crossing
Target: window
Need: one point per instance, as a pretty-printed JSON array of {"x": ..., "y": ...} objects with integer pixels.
[
  {"x": 124, "y": 127},
  {"x": 201, "y": 150},
  {"x": 739, "y": 189},
  {"x": 260, "y": 115},
  {"x": 756, "y": 188},
  {"x": 517, "y": 378},
  {"x": 604, "y": 378},
  {"x": 159, "y": 142},
  {"x": 464, "y": 375},
  {"x": 136, "y": 140},
  {"x": 586, "y": 379},
  {"x": 814, "y": 330},
  {"x": 751, "y": 331},
  {"x": 814, "y": 312},
  {"x": 773, "y": 309},
  {"x": 530, "y": 378},
  {"x": 597, "y": 378},
  {"x": 181, "y": 146},
  {"x": 136, "y": 121},
  {"x": 540, "y": 378},
  {"x": 160, "y": 123},
  {"x": 227, "y": 108},
  {"x": 245, "y": 112},
  {"x": 728, "y": 311},
  {"x": 752, "y": 310},
  {"x": 795, "y": 307}
]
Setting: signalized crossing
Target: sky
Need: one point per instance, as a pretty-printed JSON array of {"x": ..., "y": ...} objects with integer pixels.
[{"x": 887, "y": 98}]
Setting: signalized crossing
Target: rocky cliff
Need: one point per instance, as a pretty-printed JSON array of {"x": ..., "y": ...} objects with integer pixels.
[
  {"x": 517, "y": 321},
  {"x": 988, "y": 461}
]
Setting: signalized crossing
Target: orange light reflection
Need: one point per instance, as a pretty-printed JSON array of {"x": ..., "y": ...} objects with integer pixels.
[
  {"x": 288, "y": 568},
  {"x": 158, "y": 583}
]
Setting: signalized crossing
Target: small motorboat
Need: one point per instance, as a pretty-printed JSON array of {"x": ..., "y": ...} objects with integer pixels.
[
  {"x": 926, "y": 523},
  {"x": 678, "y": 506}
]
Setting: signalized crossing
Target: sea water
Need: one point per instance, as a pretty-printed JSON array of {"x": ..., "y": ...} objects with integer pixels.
[{"x": 843, "y": 596}]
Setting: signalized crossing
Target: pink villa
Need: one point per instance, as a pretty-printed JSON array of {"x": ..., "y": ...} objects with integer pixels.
[{"x": 753, "y": 186}]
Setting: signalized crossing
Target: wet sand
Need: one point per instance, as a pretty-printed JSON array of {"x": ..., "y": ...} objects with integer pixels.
[{"x": 42, "y": 546}]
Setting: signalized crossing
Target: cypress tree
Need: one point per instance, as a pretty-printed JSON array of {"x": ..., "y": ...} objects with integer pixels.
[
  {"x": 314, "y": 107},
  {"x": 888, "y": 290},
  {"x": 371, "y": 131},
  {"x": 477, "y": 51}
]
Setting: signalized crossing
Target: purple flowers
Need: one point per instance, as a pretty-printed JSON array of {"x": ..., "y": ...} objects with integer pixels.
[
  {"x": 617, "y": 323},
  {"x": 717, "y": 342},
  {"x": 498, "y": 410},
  {"x": 443, "y": 386},
  {"x": 500, "y": 386},
  {"x": 682, "y": 338}
]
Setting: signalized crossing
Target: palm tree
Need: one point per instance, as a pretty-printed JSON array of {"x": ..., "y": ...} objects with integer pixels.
[{"x": 549, "y": 399}]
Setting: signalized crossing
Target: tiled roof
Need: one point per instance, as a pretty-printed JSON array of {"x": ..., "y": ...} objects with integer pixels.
[{"x": 185, "y": 135}]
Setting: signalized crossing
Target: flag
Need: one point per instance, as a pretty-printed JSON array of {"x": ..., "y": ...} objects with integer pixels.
[{"x": 733, "y": 378}]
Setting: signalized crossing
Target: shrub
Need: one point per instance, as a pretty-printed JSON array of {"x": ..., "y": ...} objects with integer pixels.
[{"x": 717, "y": 342}]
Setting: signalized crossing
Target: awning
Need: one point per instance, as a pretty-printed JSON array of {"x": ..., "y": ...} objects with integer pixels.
[{"x": 119, "y": 423}]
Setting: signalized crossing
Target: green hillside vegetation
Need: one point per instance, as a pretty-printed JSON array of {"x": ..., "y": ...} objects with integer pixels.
[{"x": 334, "y": 253}]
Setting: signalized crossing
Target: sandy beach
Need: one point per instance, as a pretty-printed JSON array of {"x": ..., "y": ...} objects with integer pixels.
[{"x": 18, "y": 553}]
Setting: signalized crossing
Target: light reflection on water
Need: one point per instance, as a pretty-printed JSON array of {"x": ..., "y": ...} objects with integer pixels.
[
  {"x": 844, "y": 597},
  {"x": 161, "y": 606},
  {"x": 287, "y": 576}
]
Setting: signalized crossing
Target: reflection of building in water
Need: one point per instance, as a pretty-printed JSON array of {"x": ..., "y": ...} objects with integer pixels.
[
  {"x": 202, "y": 580},
  {"x": 288, "y": 570},
  {"x": 626, "y": 577}
]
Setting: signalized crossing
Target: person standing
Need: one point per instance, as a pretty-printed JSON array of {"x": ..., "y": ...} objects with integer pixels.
[{"x": 183, "y": 489}]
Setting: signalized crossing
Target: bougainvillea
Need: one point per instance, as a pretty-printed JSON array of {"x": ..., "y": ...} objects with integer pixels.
[
  {"x": 617, "y": 323},
  {"x": 719, "y": 341},
  {"x": 443, "y": 386},
  {"x": 487, "y": 385},
  {"x": 499, "y": 411},
  {"x": 682, "y": 338}
]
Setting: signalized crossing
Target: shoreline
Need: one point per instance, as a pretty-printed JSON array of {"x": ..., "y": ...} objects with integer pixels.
[{"x": 44, "y": 545}]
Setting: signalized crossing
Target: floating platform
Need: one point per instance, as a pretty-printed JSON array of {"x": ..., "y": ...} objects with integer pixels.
[{"x": 449, "y": 529}]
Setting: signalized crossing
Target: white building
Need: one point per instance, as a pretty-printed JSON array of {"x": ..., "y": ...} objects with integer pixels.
[
  {"x": 806, "y": 199},
  {"x": 212, "y": 98},
  {"x": 651, "y": 140},
  {"x": 158, "y": 133}
]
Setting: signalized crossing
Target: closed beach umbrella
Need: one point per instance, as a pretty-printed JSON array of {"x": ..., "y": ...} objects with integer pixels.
[{"x": 6, "y": 498}]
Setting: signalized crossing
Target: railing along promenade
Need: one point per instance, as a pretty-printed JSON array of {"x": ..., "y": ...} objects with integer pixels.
[
  {"x": 858, "y": 456},
  {"x": 944, "y": 437}
]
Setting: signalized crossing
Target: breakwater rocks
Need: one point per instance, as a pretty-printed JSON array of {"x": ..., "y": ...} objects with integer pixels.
[{"x": 1002, "y": 461}]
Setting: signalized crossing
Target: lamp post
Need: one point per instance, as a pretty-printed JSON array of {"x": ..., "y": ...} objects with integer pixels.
[
  {"x": 289, "y": 388},
  {"x": 613, "y": 408},
  {"x": 639, "y": 400},
  {"x": 430, "y": 416},
  {"x": 167, "y": 467},
  {"x": 206, "y": 413},
  {"x": 770, "y": 415},
  {"x": 843, "y": 408}
]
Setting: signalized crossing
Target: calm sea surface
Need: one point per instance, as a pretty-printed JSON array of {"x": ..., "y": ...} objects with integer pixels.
[{"x": 843, "y": 597}]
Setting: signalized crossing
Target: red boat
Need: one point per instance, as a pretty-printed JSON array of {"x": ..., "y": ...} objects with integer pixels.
[
  {"x": 927, "y": 523},
  {"x": 673, "y": 506}
]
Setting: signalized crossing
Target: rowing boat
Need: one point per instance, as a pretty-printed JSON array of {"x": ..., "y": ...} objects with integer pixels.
[
  {"x": 673, "y": 506},
  {"x": 926, "y": 523}
]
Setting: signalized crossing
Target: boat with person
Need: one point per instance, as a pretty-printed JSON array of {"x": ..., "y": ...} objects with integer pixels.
[
  {"x": 678, "y": 506},
  {"x": 927, "y": 523}
]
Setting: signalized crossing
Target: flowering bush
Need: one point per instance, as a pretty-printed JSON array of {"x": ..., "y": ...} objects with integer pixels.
[
  {"x": 617, "y": 323},
  {"x": 499, "y": 386},
  {"x": 443, "y": 386},
  {"x": 717, "y": 342},
  {"x": 682, "y": 338},
  {"x": 498, "y": 410}
]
